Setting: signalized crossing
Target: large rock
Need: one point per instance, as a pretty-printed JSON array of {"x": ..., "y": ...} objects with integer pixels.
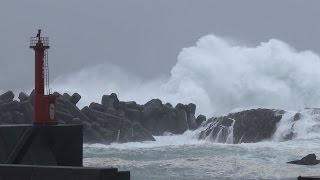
[
  {"x": 191, "y": 108},
  {"x": 180, "y": 106},
  {"x": 152, "y": 108},
  {"x": 88, "y": 112},
  {"x": 97, "y": 107},
  {"x": 159, "y": 118},
  {"x": 9, "y": 106},
  {"x": 75, "y": 111},
  {"x": 107, "y": 118},
  {"x": 133, "y": 105},
  {"x": 7, "y": 96},
  {"x": 200, "y": 119},
  {"x": 165, "y": 123},
  {"x": 243, "y": 127},
  {"x": 110, "y": 121},
  {"x": 64, "y": 116},
  {"x": 255, "y": 125},
  {"x": 75, "y": 98},
  {"x": 219, "y": 130},
  {"x": 23, "y": 97},
  {"x": 66, "y": 96},
  {"x": 182, "y": 121},
  {"x": 149, "y": 124},
  {"x": 110, "y": 101},
  {"x": 60, "y": 105},
  {"x": 192, "y": 121},
  {"x": 310, "y": 159},
  {"x": 133, "y": 115},
  {"x": 139, "y": 133},
  {"x": 107, "y": 101},
  {"x": 31, "y": 97},
  {"x": 27, "y": 110}
]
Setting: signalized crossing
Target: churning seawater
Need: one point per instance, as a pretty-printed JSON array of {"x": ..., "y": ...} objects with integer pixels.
[
  {"x": 218, "y": 75},
  {"x": 184, "y": 157}
]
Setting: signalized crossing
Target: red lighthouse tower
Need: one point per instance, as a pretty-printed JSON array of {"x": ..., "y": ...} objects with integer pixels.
[{"x": 44, "y": 104}]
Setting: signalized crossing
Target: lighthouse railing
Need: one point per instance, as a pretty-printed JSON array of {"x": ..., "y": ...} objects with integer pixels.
[{"x": 35, "y": 40}]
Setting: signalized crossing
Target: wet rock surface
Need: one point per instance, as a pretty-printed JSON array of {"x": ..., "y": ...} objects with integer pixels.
[
  {"x": 242, "y": 127},
  {"x": 310, "y": 159}
]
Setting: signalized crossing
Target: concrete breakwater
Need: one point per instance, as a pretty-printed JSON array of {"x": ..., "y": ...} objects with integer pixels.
[
  {"x": 109, "y": 121},
  {"x": 113, "y": 120}
]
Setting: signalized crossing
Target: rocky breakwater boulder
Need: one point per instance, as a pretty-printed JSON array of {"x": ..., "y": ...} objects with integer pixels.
[
  {"x": 13, "y": 111},
  {"x": 242, "y": 127},
  {"x": 160, "y": 118},
  {"x": 153, "y": 117},
  {"x": 101, "y": 124},
  {"x": 111, "y": 120},
  {"x": 104, "y": 123}
]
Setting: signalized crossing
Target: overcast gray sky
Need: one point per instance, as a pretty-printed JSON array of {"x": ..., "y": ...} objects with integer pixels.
[{"x": 142, "y": 36}]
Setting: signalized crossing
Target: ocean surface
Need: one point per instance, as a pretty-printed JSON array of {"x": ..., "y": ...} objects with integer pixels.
[{"x": 185, "y": 157}]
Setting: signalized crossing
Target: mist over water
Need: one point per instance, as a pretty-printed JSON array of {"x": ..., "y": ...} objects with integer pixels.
[{"x": 216, "y": 74}]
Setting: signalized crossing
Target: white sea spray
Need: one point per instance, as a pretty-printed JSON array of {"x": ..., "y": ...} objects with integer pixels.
[{"x": 215, "y": 74}]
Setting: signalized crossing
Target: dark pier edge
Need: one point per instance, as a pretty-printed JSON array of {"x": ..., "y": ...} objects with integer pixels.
[
  {"x": 309, "y": 178},
  {"x": 37, "y": 172},
  {"x": 33, "y": 152}
]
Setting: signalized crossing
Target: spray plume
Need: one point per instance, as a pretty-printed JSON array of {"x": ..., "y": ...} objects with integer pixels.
[{"x": 216, "y": 74}]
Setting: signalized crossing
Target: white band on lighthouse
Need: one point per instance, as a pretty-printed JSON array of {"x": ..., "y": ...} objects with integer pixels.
[{"x": 51, "y": 111}]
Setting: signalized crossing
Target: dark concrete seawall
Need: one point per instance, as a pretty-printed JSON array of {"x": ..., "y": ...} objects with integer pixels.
[
  {"x": 32, "y": 172},
  {"x": 59, "y": 145},
  {"x": 51, "y": 152}
]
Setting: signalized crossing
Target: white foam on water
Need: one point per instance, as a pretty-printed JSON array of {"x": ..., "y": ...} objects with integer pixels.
[
  {"x": 264, "y": 160},
  {"x": 187, "y": 138},
  {"x": 306, "y": 125}
]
